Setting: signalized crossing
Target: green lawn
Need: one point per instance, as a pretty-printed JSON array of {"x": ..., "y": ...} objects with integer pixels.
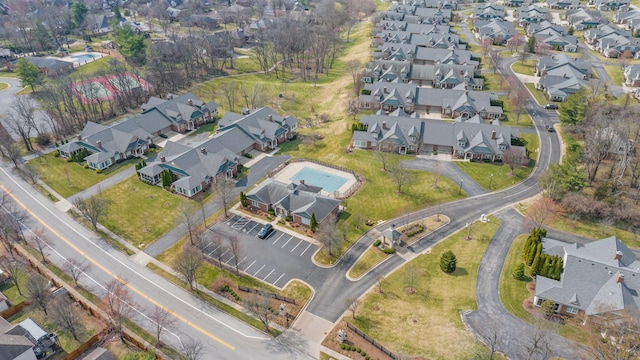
[
  {"x": 11, "y": 292},
  {"x": 401, "y": 321},
  {"x": 537, "y": 94},
  {"x": 492, "y": 81},
  {"x": 3, "y": 86},
  {"x": 502, "y": 178},
  {"x": 510, "y": 117},
  {"x": 8, "y": 74},
  {"x": 91, "y": 69},
  {"x": 365, "y": 262},
  {"x": 526, "y": 67},
  {"x": 616, "y": 74},
  {"x": 140, "y": 213},
  {"x": 208, "y": 128},
  {"x": 68, "y": 178}
]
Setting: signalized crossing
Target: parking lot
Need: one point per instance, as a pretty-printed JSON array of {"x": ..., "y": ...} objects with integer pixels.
[{"x": 276, "y": 259}]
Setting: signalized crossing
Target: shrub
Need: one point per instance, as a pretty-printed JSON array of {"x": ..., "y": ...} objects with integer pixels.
[
  {"x": 98, "y": 171},
  {"x": 448, "y": 262},
  {"x": 272, "y": 212},
  {"x": 86, "y": 166},
  {"x": 248, "y": 155},
  {"x": 56, "y": 153},
  {"x": 68, "y": 159},
  {"x": 389, "y": 251},
  {"x": 377, "y": 243},
  {"x": 43, "y": 139},
  {"x": 358, "y": 350},
  {"x": 367, "y": 357},
  {"x": 435, "y": 152},
  {"x": 518, "y": 272},
  {"x": 343, "y": 346},
  {"x": 289, "y": 218},
  {"x": 363, "y": 353}
]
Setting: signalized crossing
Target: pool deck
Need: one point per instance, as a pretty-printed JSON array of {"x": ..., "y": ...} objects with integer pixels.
[
  {"x": 292, "y": 169},
  {"x": 77, "y": 63}
]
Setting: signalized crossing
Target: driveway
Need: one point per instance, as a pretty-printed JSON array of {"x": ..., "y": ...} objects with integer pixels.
[
  {"x": 514, "y": 336},
  {"x": 257, "y": 171},
  {"x": 276, "y": 259},
  {"x": 450, "y": 170}
]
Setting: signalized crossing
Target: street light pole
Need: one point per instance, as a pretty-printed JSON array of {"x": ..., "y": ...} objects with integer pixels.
[
  {"x": 490, "y": 181},
  {"x": 460, "y": 189}
]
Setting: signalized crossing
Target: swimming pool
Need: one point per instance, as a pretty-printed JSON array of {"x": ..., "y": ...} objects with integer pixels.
[
  {"x": 83, "y": 58},
  {"x": 329, "y": 182}
]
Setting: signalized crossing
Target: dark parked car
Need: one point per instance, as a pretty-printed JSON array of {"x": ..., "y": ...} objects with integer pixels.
[
  {"x": 551, "y": 107},
  {"x": 265, "y": 231}
]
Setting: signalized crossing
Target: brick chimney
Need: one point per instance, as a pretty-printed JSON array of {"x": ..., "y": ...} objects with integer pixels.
[
  {"x": 203, "y": 151},
  {"x": 190, "y": 102},
  {"x": 302, "y": 181},
  {"x": 618, "y": 255},
  {"x": 384, "y": 125},
  {"x": 493, "y": 135},
  {"x": 79, "y": 137},
  {"x": 99, "y": 144},
  {"x": 270, "y": 117},
  {"x": 163, "y": 159},
  {"x": 384, "y": 89},
  {"x": 620, "y": 278},
  {"x": 564, "y": 75}
]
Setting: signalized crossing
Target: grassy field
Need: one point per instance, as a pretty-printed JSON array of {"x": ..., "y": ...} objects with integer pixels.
[
  {"x": 510, "y": 117},
  {"x": 9, "y": 74},
  {"x": 400, "y": 321},
  {"x": 371, "y": 257},
  {"x": 493, "y": 81},
  {"x": 616, "y": 74},
  {"x": 91, "y": 69},
  {"x": 526, "y": 67},
  {"x": 3, "y": 86},
  {"x": 502, "y": 178},
  {"x": 68, "y": 178},
  {"x": 537, "y": 94},
  {"x": 140, "y": 213}
]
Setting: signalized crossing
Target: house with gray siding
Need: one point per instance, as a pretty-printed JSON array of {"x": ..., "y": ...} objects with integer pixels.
[
  {"x": 297, "y": 199},
  {"x": 489, "y": 10},
  {"x": 266, "y": 127},
  {"x": 600, "y": 279}
]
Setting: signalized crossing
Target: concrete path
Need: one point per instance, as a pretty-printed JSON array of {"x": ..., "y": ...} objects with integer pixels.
[
  {"x": 450, "y": 170},
  {"x": 514, "y": 336},
  {"x": 104, "y": 184}
]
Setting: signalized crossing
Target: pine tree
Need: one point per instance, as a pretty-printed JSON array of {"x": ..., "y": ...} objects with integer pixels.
[
  {"x": 535, "y": 266},
  {"x": 313, "y": 223},
  {"x": 243, "y": 199},
  {"x": 448, "y": 262},
  {"x": 518, "y": 272}
]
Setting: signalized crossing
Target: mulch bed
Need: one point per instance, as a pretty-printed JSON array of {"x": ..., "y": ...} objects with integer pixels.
[{"x": 331, "y": 341}]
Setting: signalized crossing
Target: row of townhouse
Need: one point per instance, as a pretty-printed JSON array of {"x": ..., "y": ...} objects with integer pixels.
[
  {"x": 433, "y": 4},
  {"x": 195, "y": 168},
  {"x": 496, "y": 31},
  {"x": 552, "y": 37},
  {"x": 583, "y": 18},
  {"x": 630, "y": 19},
  {"x": 561, "y": 75},
  {"x": 472, "y": 138},
  {"x": 417, "y": 14},
  {"x": 443, "y": 40},
  {"x": 445, "y": 76},
  {"x": 108, "y": 145},
  {"x": 612, "y": 42},
  {"x": 532, "y": 14},
  {"x": 424, "y": 56},
  {"x": 449, "y": 103},
  {"x": 609, "y": 5}
]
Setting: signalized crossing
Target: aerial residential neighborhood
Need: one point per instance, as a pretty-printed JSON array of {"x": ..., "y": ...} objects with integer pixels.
[{"x": 321, "y": 179}]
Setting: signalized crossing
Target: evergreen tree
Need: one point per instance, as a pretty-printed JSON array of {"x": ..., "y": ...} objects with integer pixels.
[
  {"x": 243, "y": 199},
  {"x": 573, "y": 110},
  {"x": 531, "y": 44},
  {"x": 313, "y": 223},
  {"x": 29, "y": 74},
  {"x": 116, "y": 11},
  {"x": 78, "y": 13},
  {"x": 518, "y": 272},
  {"x": 448, "y": 262},
  {"x": 535, "y": 267}
]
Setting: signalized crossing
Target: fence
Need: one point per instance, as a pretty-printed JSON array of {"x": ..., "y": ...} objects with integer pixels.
[
  {"x": 373, "y": 342},
  {"x": 88, "y": 344},
  {"x": 267, "y": 294},
  {"x": 338, "y": 195},
  {"x": 14, "y": 310}
]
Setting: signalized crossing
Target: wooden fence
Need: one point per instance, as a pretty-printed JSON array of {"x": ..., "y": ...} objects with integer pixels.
[
  {"x": 267, "y": 294},
  {"x": 14, "y": 310},
  {"x": 373, "y": 342},
  {"x": 75, "y": 354}
]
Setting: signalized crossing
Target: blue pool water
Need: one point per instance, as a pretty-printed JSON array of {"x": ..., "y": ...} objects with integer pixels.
[
  {"x": 84, "y": 57},
  {"x": 328, "y": 182}
]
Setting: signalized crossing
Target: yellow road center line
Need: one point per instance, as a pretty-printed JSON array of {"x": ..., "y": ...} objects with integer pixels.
[{"x": 124, "y": 282}]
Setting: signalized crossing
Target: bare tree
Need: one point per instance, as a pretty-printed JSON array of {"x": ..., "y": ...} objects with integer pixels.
[
  {"x": 380, "y": 282},
  {"x": 491, "y": 338},
  {"x": 76, "y": 267},
  {"x": 15, "y": 268},
  {"x": 21, "y": 119},
  {"x": 188, "y": 264},
  {"x": 223, "y": 189},
  {"x": 512, "y": 158},
  {"x": 66, "y": 316},
  {"x": 192, "y": 349},
  {"x": 92, "y": 209},
  {"x": 518, "y": 100},
  {"x": 236, "y": 251},
  {"x": 353, "y": 68},
  {"x": 538, "y": 212},
  {"x": 229, "y": 90},
  {"x": 436, "y": 174},
  {"x": 187, "y": 216},
  {"x": 37, "y": 290},
  {"x": 162, "y": 319},
  {"x": 383, "y": 157},
  {"x": 540, "y": 341},
  {"x": 411, "y": 273},
  {"x": 118, "y": 303},
  {"x": 401, "y": 175},
  {"x": 11, "y": 150},
  {"x": 353, "y": 304},
  {"x": 260, "y": 307},
  {"x": 327, "y": 234},
  {"x": 217, "y": 245},
  {"x": 353, "y": 107},
  {"x": 40, "y": 241},
  {"x": 614, "y": 339}
]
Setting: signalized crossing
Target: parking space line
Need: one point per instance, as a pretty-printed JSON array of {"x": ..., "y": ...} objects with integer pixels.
[
  {"x": 221, "y": 255},
  {"x": 256, "y": 225},
  {"x": 281, "y": 235},
  {"x": 278, "y": 279},
  {"x": 240, "y": 262},
  {"x": 265, "y": 278},
  {"x": 231, "y": 258},
  {"x": 296, "y": 245},
  {"x": 305, "y": 250},
  {"x": 285, "y": 244},
  {"x": 211, "y": 252},
  {"x": 235, "y": 219},
  {"x": 247, "y": 268},
  {"x": 256, "y": 273}
]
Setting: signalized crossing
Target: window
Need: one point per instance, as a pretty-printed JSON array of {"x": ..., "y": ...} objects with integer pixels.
[
  {"x": 460, "y": 142},
  {"x": 305, "y": 221},
  {"x": 572, "y": 310},
  {"x": 360, "y": 143},
  {"x": 502, "y": 146},
  {"x": 254, "y": 203}
]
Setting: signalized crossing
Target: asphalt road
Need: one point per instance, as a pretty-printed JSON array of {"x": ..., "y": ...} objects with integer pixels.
[{"x": 221, "y": 334}]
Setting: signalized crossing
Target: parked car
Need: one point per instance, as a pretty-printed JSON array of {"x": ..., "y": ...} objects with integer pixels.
[
  {"x": 551, "y": 107},
  {"x": 265, "y": 231}
]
